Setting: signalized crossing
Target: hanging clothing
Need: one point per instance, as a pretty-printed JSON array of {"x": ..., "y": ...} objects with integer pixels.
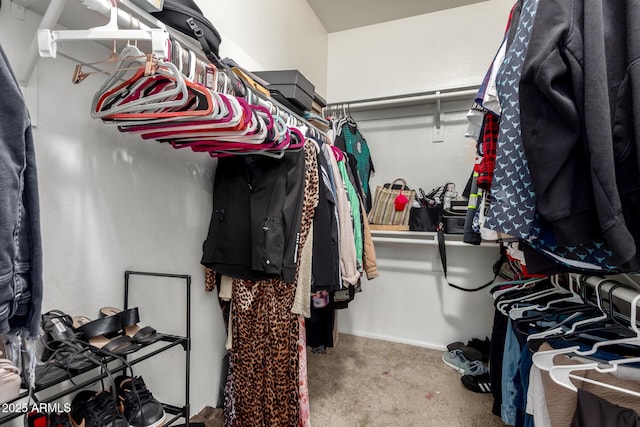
[
  {"x": 351, "y": 141},
  {"x": 369, "y": 261},
  {"x": 303, "y": 382},
  {"x": 254, "y": 227},
  {"x": 583, "y": 155},
  {"x": 265, "y": 353},
  {"x": 513, "y": 203},
  {"x": 348, "y": 261},
  {"x": 593, "y": 411},
  {"x": 326, "y": 253},
  {"x": 21, "y": 284},
  {"x": 356, "y": 218},
  {"x": 302, "y": 299},
  {"x": 266, "y": 335}
]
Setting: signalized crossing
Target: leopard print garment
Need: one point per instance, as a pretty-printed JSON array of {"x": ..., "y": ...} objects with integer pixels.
[{"x": 265, "y": 336}]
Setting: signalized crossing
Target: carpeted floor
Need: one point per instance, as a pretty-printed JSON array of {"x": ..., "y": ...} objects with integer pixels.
[{"x": 366, "y": 382}]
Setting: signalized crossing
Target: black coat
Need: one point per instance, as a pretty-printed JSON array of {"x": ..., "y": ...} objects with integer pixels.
[
  {"x": 580, "y": 113},
  {"x": 257, "y": 210}
]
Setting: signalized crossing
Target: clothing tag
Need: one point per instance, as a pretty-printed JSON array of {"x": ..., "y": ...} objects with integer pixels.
[
  {"x": 209, "y": 78},
  {"x": 58, "y": 324},
  {"x": 359, "y": 147}
]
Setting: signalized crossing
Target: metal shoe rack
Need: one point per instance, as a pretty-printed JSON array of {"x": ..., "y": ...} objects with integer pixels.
[{"x": 23, "y": 402}]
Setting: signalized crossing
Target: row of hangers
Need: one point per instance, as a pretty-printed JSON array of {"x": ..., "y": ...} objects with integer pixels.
[
  {"x": 189, "y": 103},
  {"x": 609, "y": 322}
]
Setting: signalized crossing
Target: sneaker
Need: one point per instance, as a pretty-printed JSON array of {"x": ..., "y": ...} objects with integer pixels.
[
  {"x": 477, "y": 383},
  {"x": 59, "y": 419},
  {"x": 483, "y": 346},
  {"x": 137, "y": 403},
  {"x": 91, "y": 409},
  {"x": 469, "y": 352},
  {"x": 37, "y": 419},
  {"x": 475, "y": 367},
  {"x": 456, "y": 359}
]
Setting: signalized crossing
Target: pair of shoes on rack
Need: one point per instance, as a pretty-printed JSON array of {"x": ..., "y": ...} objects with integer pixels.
[
  {"x": 54, "y": 419},
  {"x": 64, "y": 353},
  {"x": 115, "y": 331},
  {"x": 457, "y": 360},
  {"x": 129, "y": 404},
  {"x": 475, "y": 349}
]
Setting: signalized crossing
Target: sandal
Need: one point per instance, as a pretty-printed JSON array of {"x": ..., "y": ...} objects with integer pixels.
[
  {"x": 104, "y": 334},
  {"x": 129, "y": 320},
  {"x": 62, "y": 343}
]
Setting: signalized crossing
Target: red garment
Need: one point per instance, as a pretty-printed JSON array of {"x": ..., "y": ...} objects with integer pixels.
[{"x": 490, "y": 129}]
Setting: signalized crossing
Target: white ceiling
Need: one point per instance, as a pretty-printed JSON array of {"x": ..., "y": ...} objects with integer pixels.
[{"x": 339, "y": 15}]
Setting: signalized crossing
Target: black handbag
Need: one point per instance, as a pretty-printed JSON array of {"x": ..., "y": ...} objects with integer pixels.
[
  {"x": 425, "y": 218},
  {"x": 428, "y": 215},
  {"x": 186, "y": 17}
]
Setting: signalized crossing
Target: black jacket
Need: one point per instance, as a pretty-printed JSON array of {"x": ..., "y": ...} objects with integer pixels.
[
  {"x": 326, "y": 251},
  {"x": 578, "y": 104},
  {"x": 255, "y": 224}
]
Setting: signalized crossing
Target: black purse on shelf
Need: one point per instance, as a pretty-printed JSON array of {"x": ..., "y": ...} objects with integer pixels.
[
  {"x": 425, "y": 218},
  {"x": 428, "y": 215}
]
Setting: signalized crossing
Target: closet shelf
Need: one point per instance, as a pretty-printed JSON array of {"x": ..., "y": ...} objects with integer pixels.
[{"x": 422, "y": 238}]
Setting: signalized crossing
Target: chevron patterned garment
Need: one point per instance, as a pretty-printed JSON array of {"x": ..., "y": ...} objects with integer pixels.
[{"x": 513, "y": 197}]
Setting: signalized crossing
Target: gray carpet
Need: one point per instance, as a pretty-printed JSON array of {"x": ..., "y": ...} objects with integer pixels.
[{"x": 366, "y": 382}]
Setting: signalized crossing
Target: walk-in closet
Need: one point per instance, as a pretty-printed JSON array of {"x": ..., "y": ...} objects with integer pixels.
[{"x": 319, "y": 213}]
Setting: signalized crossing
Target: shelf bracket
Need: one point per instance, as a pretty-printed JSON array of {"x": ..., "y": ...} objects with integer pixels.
[
  {"x": 48, "y": 40},
  {"x": 438, "y": 134}
]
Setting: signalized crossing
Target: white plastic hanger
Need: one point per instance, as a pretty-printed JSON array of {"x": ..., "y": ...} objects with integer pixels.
[
  {"x": 133, "y": 56},
  {"x": 544, "y": 359},
  {"x": 564, "y": 296},
  {"x": 562, "y": 374}
]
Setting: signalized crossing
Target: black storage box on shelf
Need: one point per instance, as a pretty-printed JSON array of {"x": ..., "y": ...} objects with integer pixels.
[
  {"x": 454, "y": 217},
  {"x": 291, "y": 85},
  {"x": 453, "y": 224}
]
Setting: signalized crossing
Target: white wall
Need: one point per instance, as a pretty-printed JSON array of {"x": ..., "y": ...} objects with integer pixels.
[
  {"x": 448, "y": 49},
  {"x": 411, "y": 302},
  {"x": 272, "y": 35},
  {"x": 111, "y": 202}
]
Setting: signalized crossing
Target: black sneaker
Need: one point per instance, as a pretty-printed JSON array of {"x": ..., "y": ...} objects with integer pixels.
[
  {"x": 483, "y": 346},
  {"x": 137, "y": 403},
  {"x": 477, "y": 383},
  {"x": 59, "y": 419},
  {"x": 91, "y": 409}
]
